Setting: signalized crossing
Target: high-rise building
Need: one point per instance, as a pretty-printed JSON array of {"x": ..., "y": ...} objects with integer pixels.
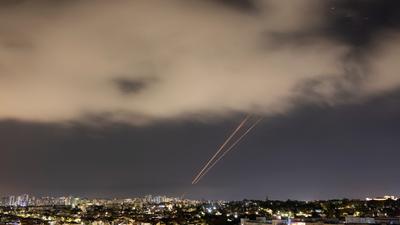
[{"x": 11, "y": 200}]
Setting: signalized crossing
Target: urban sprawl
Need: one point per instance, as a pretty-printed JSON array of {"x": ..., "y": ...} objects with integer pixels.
[{"x": 148, "y": 210}]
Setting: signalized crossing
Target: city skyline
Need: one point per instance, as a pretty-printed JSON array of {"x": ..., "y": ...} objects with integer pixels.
[
  {"x": 24, "y": 200},
  {"x": 160, "y": 210},
  {"x": 108, "y": 99}
]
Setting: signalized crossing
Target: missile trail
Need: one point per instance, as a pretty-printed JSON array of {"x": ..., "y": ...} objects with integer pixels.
[
  {"x": 229, "y": 149},
  {"x": 221, "y": 147}
]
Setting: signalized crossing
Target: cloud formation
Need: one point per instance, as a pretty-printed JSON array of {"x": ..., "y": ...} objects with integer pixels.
[{"x": 141, "y": 61}]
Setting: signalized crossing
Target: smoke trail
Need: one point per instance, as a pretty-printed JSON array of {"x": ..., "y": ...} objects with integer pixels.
[
  {"x": 229, "y": 149},
  {"x": 221, "y": 147}
]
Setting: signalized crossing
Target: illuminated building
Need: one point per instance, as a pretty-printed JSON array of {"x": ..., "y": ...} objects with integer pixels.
[
  {"x": 257, "y": 221},
  {"x": 358, "y": 220}
]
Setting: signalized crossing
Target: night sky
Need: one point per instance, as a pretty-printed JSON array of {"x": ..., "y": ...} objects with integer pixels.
[{"x": 127, "y": 98}]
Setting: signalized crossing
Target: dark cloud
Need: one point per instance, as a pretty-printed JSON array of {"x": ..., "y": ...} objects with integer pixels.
[
  {"x": 17, "y": 45},
  {"x": 243, "y": 5},
  {"x": 129, "y": 86},
  {"x": 344, "y": 88},
  {"x": 7, "y": 3},
  {"x": 359, "y": 22}
]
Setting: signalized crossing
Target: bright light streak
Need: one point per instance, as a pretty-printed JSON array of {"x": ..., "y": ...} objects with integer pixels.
[
  {"x": 229, "y": 149},
  {"x": 221, "y": 148}
]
